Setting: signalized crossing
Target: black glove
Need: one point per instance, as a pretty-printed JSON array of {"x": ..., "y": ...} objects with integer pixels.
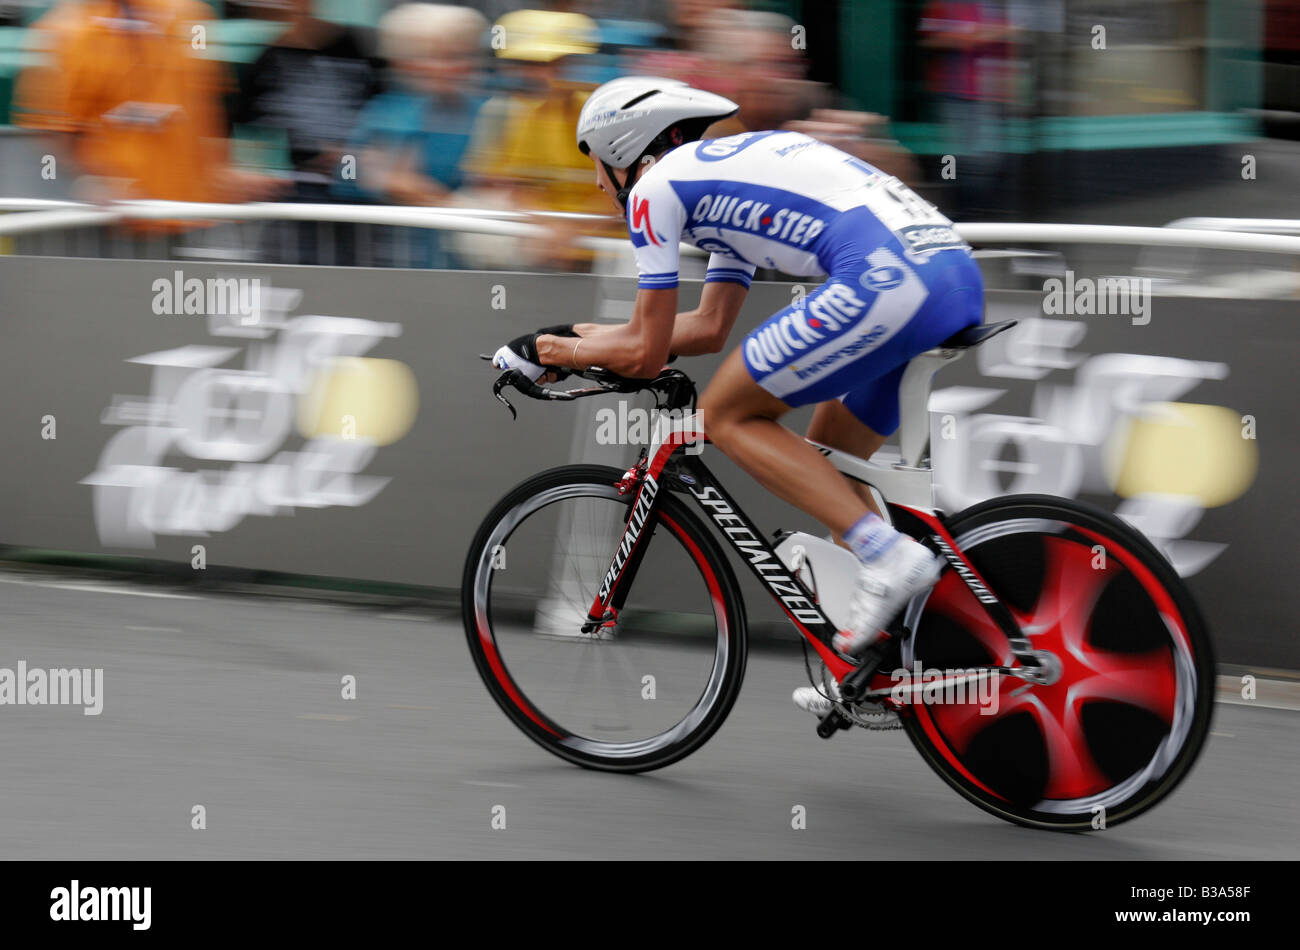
[{"x": 521, "y": 353}]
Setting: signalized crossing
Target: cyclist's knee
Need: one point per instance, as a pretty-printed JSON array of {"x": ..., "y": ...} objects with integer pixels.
[
  {"x": 721, "y": 414},
  {"x": 732, "y": 398},
  {"x": 835, "y": 425}
]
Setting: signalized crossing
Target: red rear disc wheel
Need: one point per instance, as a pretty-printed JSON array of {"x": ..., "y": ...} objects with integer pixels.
[{"x": 1130, "y": 705}]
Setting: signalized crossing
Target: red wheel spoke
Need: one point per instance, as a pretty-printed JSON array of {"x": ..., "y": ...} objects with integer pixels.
[
  {"x": 1071, "y": 770},
  {"x": 962, "y": 722},
  {"x": 1146, "y": 680},
  {"x": 1063, "y": 616},
  {"x": 1071, "y": 586},
  {"x": 953, "y": 599}
]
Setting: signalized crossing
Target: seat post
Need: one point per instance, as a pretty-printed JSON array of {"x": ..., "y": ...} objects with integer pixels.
[{"x": 914, "y": 403}]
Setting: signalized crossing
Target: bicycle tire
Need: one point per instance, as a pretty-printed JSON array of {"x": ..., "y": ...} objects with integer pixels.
[{"x": 670, "y": 514}]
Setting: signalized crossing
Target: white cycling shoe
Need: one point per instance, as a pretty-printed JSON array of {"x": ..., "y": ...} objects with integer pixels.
[
  {"x": 883, "y": 587},
  {"x": 885, "y": 584},
  {"x": 817, "y": 701}
]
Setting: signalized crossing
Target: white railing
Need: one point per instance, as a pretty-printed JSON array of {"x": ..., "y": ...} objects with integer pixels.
[
  {"x": 39, "y": 221},
  {"x": 1121, "y": 234},
  {"x": 35, "y": 216},
  {"x": 1190, "y": 272},
  {"x": 1258, "y": 225}
]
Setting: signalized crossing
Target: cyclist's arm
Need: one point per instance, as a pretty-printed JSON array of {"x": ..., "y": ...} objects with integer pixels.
[
  {"x": 702, "y": 330},
  {"x": 706, "y": 328},
  {"x": 639, "y": 348}
]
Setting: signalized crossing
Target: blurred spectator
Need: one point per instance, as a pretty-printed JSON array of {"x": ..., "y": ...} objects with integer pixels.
[
  {"x": 412, "y": 138},
  {"x": 310, "y": 85},
  {"x": 134, "y": 108},
  {"x": 968, "y": 47},
  {"x": 690, "y": 57},
  {"x": 758, "y": 67},
  {"x": 525, "y": 153},
  {"x": 762, "y": 71},
  {"x": 865, "y": 135},
  {"x": 600, "y": 9}
]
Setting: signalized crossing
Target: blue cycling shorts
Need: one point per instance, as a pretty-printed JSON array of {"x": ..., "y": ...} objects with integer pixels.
[{"x": 852, "y": 337}]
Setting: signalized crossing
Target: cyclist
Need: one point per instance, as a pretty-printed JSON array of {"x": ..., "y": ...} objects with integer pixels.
[{"x": 899, "y": 280}]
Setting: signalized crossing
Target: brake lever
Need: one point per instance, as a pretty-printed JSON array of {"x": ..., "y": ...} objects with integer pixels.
[
  {"x": 502, "y": 382},
  {"x": 516, "y": 379}
]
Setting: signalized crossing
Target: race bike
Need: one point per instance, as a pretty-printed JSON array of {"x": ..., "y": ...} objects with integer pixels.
[{"x": 1058, "y": 674}]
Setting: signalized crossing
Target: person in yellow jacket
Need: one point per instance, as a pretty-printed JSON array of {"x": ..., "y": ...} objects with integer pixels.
[{"x": 523, "y": 150}]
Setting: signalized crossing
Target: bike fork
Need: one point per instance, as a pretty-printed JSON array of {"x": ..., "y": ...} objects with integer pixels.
[{"x": 631, "y": 549}]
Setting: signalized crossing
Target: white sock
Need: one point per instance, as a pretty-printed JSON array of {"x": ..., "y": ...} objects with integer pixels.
[{"x": 870, "y": 537}]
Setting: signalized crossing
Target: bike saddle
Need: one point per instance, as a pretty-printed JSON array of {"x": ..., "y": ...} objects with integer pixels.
[{"x": 974, "y": 336}]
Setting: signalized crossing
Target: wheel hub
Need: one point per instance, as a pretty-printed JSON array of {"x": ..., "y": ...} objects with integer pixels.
[{"x": 1047, "y": 672}]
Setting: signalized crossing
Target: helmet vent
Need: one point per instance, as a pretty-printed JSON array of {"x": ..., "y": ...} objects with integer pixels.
[{"x": 645, "y": 95}]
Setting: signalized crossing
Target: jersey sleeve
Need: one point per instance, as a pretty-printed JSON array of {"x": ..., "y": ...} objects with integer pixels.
[
  {"x": 655, "y": 218},
  {"x": 725, "y": 268}
]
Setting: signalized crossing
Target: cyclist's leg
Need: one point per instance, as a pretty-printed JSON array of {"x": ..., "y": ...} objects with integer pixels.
[
  {"x": 860, "y": 421},
  {"x": 866, "y": 322},
  {"x": 834, "y": 424},
  {"x": 956, "y": 302},
  {"x": 741, "y": 419}
]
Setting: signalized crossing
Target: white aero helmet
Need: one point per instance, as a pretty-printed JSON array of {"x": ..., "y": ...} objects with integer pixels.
[{"x": 624, "y": 117}]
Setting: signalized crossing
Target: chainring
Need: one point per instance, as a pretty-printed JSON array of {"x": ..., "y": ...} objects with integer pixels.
[{"x": 872, "y": 716}]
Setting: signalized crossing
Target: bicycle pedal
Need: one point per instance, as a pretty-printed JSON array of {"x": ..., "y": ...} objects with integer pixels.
[{"x": 832, "y": 723}]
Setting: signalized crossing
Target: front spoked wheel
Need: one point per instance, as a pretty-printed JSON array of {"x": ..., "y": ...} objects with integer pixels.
[
  {"x": 652, "y": 684},
  {"x": 1129, "y": 669}
]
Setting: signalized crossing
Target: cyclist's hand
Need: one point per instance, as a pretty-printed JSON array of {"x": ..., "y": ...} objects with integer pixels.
[{"x": 521, "y": 354}]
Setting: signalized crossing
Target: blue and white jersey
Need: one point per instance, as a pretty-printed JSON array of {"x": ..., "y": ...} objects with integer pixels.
[{"x": 770, "y": 199}]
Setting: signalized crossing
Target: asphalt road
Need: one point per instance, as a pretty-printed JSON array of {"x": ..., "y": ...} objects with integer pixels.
[{"x": 232, "y": 702}]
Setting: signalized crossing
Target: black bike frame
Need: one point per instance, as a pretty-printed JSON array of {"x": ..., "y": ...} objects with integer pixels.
[{"x": 672, "y": 470}]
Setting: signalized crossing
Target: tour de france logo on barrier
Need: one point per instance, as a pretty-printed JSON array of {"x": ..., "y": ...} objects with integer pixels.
[
  {"x": 1122, "y": 426},
  {"x": 294, "y": 428}
]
